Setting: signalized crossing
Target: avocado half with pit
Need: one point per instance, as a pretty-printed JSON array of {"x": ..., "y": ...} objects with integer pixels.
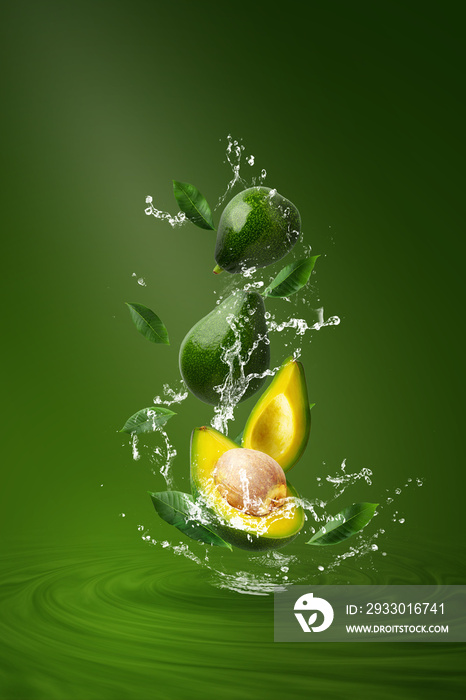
[
  {"x": 271, "y": 531},
  {"x": 280, "y": 422}
]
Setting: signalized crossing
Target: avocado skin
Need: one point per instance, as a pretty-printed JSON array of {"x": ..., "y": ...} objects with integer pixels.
[
  {"x": 240, "y": 538},
  {"x": 201, "y": 351},
  {"x": 256, "y": 229}
]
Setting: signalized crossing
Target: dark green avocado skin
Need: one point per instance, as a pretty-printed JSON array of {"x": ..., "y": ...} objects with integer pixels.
[
  {"x": 257, "y": 228},
  {"x": 202, "y": 361}
]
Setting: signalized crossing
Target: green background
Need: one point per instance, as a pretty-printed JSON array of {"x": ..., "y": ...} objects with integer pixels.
[{"x": 356, "y": 112}]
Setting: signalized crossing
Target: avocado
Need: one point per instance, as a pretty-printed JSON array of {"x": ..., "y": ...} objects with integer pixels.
[
  {"x": 257, "y": 228},
  {"x": 265, "y": 532},
  {"x": 224, "y": 348},
  {"x": 280, "y": 422}
]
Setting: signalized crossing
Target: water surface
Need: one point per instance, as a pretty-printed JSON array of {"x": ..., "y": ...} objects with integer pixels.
[{"x": 141, "y": 622}]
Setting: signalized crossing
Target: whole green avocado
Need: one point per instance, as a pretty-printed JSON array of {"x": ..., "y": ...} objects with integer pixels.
[
  {"x": 224, "y": 348},
  {"x": 257, "y": 228}
]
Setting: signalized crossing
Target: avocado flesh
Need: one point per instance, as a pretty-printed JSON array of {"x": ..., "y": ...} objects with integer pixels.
[
  {"x": 203, "y": 361},
  {"x": 257, "y": 228},
  {"x": 266, "y": 532},
  {"x": 280, "y": 422}
]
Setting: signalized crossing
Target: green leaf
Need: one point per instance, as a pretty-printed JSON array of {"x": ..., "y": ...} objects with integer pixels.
[
  {"x": 292, "y": 278},
  {"x": 147, "y": 420},
  {"x": 347, "y": 523},
  {"x": 193, "y": 204},
  {"x": 148, "y": 323},
  {"x": 179, "y": 509},
  {"x": 311, "y": 406},
  {"x": 239, "y": 438}
]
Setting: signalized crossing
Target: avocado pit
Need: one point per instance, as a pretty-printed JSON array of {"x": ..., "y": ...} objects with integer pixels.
[{"x": 251, "y": 481}]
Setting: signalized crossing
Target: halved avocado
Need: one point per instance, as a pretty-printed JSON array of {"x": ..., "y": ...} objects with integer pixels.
[
  {"x": 280, "y": 422},
  {"x": 265, "y": 532}
]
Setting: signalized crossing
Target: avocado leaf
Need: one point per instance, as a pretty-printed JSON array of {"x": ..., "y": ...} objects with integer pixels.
[
  {"x": 148, "y": 323},
  {"x": 239, "y": 438},
  {"x": 147, "y": 420},
  {"x": 193, "y": 204},
  {"x": 178, "y": 509},
  {"x": 292, "y": 278},
  {"x": 347, "y": 523}
]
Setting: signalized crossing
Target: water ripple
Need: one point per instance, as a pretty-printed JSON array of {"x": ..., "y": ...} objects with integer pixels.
[{"x": 95, "y": 623}]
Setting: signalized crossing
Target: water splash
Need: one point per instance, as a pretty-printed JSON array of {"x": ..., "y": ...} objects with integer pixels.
[
  {"x": 274, "y": 570},
  {"x": 175, "y": 221},
  {"x": 233, "y": 156},
  {"x": 167, "y": 454},
  {"x": 300, "y": 325},
  {"x": 141, "y": 281},
  {"x": 134, "y": 446},
  {"x": 260, "y": 179},
  {"x": 237, "y": 380},
  {"x": 172, "y": 395},
  {"x": 341, "y": 480},
  {"x": 160, "y": 456}
]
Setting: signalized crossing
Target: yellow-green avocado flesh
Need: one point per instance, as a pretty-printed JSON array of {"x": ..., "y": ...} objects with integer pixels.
[
  {"x": 267, "y": 532},
  {"x": 280, "y": 422}
]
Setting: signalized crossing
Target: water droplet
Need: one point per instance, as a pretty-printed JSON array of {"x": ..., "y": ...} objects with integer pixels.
[
  {"x": 401, "y": 520},
  {"x": 142, "y": 282},
  {"x": 374, "y": 547},
  {"x": 140, "y": 528},
  {"x": 122, "y": 515},
  {"x": 384, "y": 554},
  {"x": 284, "y": 569},
  {"x": 321, "y": 568},
  {"x": 251, "y": 160},
  {"x": 397, "y": 491}
]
